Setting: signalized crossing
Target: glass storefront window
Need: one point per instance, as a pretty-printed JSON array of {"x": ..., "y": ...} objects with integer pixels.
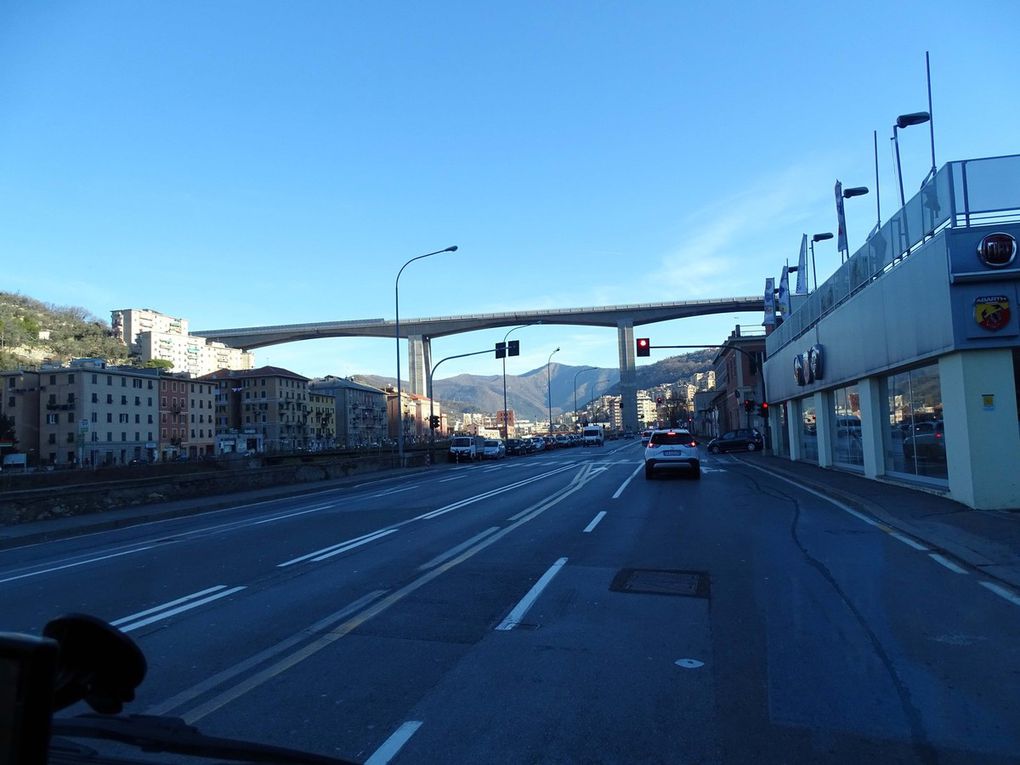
[
  {"x": 915, "y": 442},
  {"x": 808, "y": 431},
  {"x": 780, "y": 437},
  {"x": 846, "y": 427}
]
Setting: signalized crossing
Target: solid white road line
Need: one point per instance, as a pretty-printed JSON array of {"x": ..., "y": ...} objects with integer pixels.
[
  {"x": 179, "y": 609},
  {"x": 392, "y": 491},
  {"x": 442, "y": 557},
  {"x": 351, "y": 546},
  {"x": 594, "y": 522},
  {"x": 171, "y": 604},
  {"x": 629, "y": 479},
  {"x": 291, "y": 515},
  {"x": 943, "y": 561},
  {"x": 1002, "y": 592},
  {"x": 77, "y": 563},
  {"x": 455, "y": 478},
  {"x": 394, "y": 743},
  {"x": 350, "y": 542},
  {"x": 521, "y": 609}
]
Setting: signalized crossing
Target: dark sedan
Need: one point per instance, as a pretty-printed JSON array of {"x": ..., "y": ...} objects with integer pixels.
[{"x": 742, "y": 439}]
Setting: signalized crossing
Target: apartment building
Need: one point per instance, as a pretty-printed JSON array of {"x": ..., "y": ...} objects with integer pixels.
[
  {"x": 186, "y": 417},
  {"x": 359, "y": 411},
  {"x": 20, "y": 402},
  {"x": 129, "y": 323},
  {"x": 321, "y": 420},
  {"x": 268, "y": 401}
]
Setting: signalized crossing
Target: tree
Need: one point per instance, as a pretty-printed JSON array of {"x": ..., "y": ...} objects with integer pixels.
[{"x": 158, "y": 364}]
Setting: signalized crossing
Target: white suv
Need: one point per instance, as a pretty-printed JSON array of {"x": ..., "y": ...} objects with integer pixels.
[{"x": 671, "y": 449}]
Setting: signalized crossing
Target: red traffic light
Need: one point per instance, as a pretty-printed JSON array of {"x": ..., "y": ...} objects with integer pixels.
[{"x": 644, "y": 346}]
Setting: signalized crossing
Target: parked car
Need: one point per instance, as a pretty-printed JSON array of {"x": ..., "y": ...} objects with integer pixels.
[
  {"x": 928, "y": 439},
  {"x": 537, "y": 444},
  {"x": 516, "y": 447},
  {"x": 645, "y": 435},
  {"x": 672, "y": 449},
  {"x": 742, "y": 439},
  {"x": 494, "y": 449},
  {"x": 466, "y": 448},
  {"x": 592, "y": 436}
]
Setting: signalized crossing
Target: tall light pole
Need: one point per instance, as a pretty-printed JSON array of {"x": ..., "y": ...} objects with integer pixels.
[
  {"x": 817, "y": 238},
  {"x": 506, "y": 425},
  {"x": 904, "y": 121},
  {"x": 548, "y": 374},
  {"x": 400, "y": 398},
  {"x": 850, "y": 193},
  {"x": 585, "y": 369}
]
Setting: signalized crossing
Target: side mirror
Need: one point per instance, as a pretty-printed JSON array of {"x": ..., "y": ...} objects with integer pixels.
[{"x": 96, "y": 663}]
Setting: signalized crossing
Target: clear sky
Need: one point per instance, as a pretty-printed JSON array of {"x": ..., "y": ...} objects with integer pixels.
[{"x": 244, "y": 163}]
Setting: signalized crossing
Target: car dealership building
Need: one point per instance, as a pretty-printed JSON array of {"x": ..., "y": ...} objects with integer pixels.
[{"x": 904, "y": 363}]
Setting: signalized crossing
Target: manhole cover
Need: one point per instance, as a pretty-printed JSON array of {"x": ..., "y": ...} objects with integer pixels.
[{"x": 691, "y": 584}]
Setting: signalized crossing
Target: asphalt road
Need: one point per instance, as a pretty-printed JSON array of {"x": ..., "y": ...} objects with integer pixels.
[{"x": 557, "y": 608}]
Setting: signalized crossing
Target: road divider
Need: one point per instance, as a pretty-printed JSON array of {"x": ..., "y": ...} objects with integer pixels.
[{"x": 174, "y": 607}]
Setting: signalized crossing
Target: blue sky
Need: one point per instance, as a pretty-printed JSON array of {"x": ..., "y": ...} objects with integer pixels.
[{"x": 241, "y": 163}]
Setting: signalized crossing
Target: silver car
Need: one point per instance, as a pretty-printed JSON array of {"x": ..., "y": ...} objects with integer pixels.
[{"x": 672, "y": 449}]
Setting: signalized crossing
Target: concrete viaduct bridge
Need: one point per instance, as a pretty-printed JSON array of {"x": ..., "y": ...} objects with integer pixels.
[{"x": 419, "y": 333}]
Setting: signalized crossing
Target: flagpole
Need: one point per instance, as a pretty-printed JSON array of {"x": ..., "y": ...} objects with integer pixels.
[
  {"x": 878, "y": 202},
  {"x": 931, "y": 114}
]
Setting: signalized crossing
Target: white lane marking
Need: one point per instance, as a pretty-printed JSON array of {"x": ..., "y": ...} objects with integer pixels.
[
  {"x": 1002, "y": 592},
  {"x": 629, "y": 479},
  {"x": 486, "y": 495},
  {"x": 291, "y": 515},
  {"x": 351, "y": 546},
  {"x": 251, "y": 662},
  {"x": 907, "y": 541},
  {"x": 455, "y": 478},
  {"x": 947, "y": 563},
  {"x": 594, "y": 522},
  {"x": 837, "y": 503},
  {"x": 457, "y": 550},
  {"x": 171, "y": 604},
  {"x": 391, "y": 491},
  {"x": 77, "y": 563},
  {"x": 492, "y": 469},
  {"x": 307, "y": 556},
  {"x": 179, "y": 609},
  {"x": 521, "y": 609},
  {"x": 394, "y": 743}
]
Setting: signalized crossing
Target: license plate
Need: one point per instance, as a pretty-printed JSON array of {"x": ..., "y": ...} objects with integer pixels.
[{"x": 672, "y": 453}]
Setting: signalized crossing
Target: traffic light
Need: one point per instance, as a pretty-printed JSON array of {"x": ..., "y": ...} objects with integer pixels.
[
  {"x": 514, "y": 348},
  {"x": 748, "y": 405},
  {"x": 763, "y": 409},
  {"x": 434, "y": 421},
  {"x": 658, "y": 400},
  {"x": 644, "y": 346},
  {"x": 500, "y": 350}
]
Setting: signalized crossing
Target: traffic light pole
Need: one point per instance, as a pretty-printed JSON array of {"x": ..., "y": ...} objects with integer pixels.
[{"x": 431, "y": 372}]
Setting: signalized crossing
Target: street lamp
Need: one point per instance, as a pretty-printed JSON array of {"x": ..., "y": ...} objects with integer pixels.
[
  {"x": 904, "y": 121},
  {"x": 548, "y": 374},
  {"x": 585, "y": 369},
  {"x": 505, "y": 413},
  {"x": 817, "y": 238},
  {"x": 400, "y": 402}
]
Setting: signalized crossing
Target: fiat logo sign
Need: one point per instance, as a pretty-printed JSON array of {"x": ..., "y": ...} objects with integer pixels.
[{"x": 997, "y": 250}]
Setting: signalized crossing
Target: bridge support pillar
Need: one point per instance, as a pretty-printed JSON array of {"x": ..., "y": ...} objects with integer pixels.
[
  {"x": 628, "y": 375},
  {"x": 419, "y": 362}
]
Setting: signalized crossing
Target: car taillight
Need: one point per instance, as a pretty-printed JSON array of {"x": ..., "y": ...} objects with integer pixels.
[
  {"x": 651, "y": 445},
  {"x": 693, "y": 443},
  {"x": 938, "y": 435}
]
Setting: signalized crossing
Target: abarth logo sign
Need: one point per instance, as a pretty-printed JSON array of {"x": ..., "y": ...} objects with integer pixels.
[{"x": 992, "y": 312}]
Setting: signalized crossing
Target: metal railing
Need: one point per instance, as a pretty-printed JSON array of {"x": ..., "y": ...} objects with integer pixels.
[{"x": 975, "y": 192}]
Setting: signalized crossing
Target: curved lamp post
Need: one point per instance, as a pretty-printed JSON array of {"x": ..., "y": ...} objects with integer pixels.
[
  {"x": 548, "y": 374},
  {"x": 817, "y": 238},
  {"x": 506, "y": 414},
  {"x": 400, "y": 398}
]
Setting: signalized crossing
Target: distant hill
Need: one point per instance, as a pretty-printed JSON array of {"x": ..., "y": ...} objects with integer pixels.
[
  {"x": 527, "y": 394},
  {"x": 32, "y": 331}
]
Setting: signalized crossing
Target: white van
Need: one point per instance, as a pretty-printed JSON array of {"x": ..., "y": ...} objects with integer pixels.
[{"x": 592, "y": 436}]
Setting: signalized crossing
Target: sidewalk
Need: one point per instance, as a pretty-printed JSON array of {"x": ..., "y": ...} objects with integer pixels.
[
  {"x": 76, "y": 525},
  {"x": 988, "y": 540}
]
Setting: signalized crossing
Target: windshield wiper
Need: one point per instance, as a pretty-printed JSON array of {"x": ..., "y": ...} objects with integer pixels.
[{"x": 171, "y": 734}]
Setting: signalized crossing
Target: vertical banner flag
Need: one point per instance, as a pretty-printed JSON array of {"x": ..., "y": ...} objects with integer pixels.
[
  {"x": 770, "y": 302},
  {"x": 841, "y": 244},
  {"x": 802, "y": 268},
  {"x": 784, "y": 293}
]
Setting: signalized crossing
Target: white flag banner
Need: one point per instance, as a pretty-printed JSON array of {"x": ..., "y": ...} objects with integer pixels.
[
  {"x": 770, "y": 302},
  {"x": 784, "y": 293},
  {"x": 841, "y": 244},
  {"x": 802, "y": 268}
]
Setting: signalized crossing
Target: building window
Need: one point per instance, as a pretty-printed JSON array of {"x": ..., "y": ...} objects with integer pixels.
[
  {"x": 162, "y": 433},
  {"x": 808, "y": 430},
  {"x": 123, "y": 400},
  {"x": 51, "y": 419},
  {"x": 109, "y": 379},
  {"x": 95, "y": 398},
  {"x": 109, "y": 416},
  {"x": 150, "y": 419},
  {"x": 109, "y": 436},
  {"x": 11, "y": 399},
  {"x": 53, "y": 398},
  {"x": 70, "y": 379},
  {"x": 52, "y": 438},
  {"x": 915, "y": 441},
  {"x": 123, "y": 382},
  {"x": 123, "y": 436},
  {"x": 53, "y": 379},
  {"x": 163, "y": 402},
  {"x": 109, "y": 398},
  {"x": 138, "y": 401},
  {"x": 846, "y": 427},
  {"x": 138, "y": 419},
  {"x": 70, "y": 438},
  {"x": 95, "y": 379}
]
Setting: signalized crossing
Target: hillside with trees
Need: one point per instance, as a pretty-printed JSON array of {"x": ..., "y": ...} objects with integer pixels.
[{"x": 32, "y": 332}]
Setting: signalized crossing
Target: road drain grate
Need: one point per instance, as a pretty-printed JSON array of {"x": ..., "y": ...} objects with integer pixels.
[{"x": 690, "y": 584}]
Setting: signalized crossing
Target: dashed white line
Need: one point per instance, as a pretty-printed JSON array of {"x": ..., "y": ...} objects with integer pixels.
[
  {"x": 351, "y": 546},
  {"x": 907, "y": 541},
  {"x": 942, "y": 561},
  {"x": 391, "y": 491},
  {"x": 455, "y": 478},
  {"x": 291, "y": 515},
  {"x": 521, "y": 609},
  {"x": 594, "y": 522},
  {"x": 1002, "y": 592},
  {"x": 394, "y": 743},
  {"x": 338, "y": 547}
]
